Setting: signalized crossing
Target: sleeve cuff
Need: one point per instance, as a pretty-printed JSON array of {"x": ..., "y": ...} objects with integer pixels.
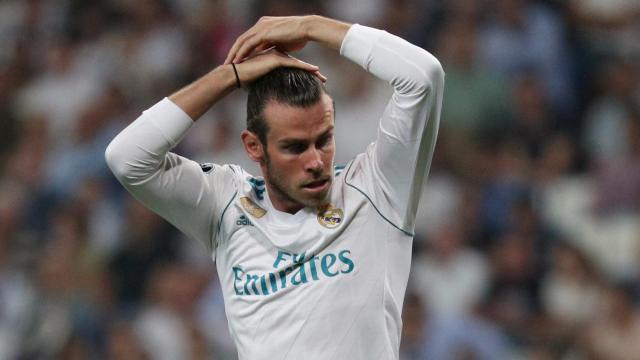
[
  {"x": 358, "y": 42},
  {"x": 172, "y": 121}
]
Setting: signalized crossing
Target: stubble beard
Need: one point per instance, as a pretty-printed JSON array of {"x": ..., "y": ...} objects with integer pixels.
[{"x": 288, "y": 191}]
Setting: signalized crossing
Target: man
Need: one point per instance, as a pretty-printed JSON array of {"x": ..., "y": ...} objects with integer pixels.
[{"x": 313, "y": 260}]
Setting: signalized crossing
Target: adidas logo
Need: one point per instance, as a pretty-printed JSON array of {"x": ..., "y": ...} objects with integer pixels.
[{"x": 242, "y": 221}]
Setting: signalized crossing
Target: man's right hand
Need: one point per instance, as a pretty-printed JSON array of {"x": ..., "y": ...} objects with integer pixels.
[
  {"x": 196, "y": 98},
  {"x": 289, "y": 33},
  {"x": 262, "y": 63}
]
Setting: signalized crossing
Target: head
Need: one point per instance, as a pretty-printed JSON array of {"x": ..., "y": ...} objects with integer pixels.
[{"x": 290, "y": 120}]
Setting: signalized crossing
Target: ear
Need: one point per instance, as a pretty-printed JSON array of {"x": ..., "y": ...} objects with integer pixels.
[{"x": 252, "y": 145}]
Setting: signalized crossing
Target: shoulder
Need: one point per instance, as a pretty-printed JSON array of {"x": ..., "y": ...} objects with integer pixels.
[
  {"x": 229, "y": 170},
  {"x": 226, "y": 177}
]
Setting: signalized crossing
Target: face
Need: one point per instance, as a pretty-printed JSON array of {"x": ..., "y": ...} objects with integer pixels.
[{"x": 297, "y": 162}]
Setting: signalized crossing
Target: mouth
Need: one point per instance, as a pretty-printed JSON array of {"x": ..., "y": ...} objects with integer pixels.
[{"x": 317, "y": 186}]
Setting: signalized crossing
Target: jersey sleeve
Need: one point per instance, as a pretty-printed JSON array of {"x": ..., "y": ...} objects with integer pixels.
[
  {"x": 178, "y": 189},
  {"x": 392, "y": 170}
]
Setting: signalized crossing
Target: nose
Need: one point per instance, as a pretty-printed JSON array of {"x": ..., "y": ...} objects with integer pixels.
[{"x": 314, "y": 161}]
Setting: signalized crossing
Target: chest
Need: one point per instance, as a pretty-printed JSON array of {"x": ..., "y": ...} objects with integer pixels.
[{"x": 260, "y": 256}]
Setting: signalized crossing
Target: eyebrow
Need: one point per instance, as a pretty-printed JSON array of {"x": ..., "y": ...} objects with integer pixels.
[{"x": 292, "y": 141}]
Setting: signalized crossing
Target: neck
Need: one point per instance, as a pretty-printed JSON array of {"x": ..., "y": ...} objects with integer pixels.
[{"x": 281, "y": 201}]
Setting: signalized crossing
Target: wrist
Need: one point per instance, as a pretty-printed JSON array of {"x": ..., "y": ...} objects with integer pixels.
[
  {"x": 196, "y": 98},
  {"x": 311, "y": 26},
  {"x": 326, "y": 31},
  {"x": 223, "y": 75}
]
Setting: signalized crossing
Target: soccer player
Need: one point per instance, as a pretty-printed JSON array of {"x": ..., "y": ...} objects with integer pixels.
[{"x": 313, "y": 259}]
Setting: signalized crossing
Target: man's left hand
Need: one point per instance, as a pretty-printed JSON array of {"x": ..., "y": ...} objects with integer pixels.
[
  {"x": 289, "y": 33},
  {"x": 286, "y": 33}
]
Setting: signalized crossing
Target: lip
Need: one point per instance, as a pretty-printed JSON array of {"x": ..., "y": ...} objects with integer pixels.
[{"x": 317, "y": 186}]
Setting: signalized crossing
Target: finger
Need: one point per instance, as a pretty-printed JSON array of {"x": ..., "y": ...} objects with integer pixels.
[
  {"x": 262, "y": 47},
  {"x": 314, "y": 69},
  {"x": 286, "y": 55},
  {"x": 236, "y": 45},
  {"x": 283, "y": 52},
  {"x": 291, "y": 61},
  {"x": 319, "y": 75},
  {"x": 247, "y": 47},
  {"x": 232, "y": 51}
]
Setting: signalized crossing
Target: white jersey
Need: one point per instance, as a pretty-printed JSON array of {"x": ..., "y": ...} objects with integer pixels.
[{"x": 321, "y": 283}]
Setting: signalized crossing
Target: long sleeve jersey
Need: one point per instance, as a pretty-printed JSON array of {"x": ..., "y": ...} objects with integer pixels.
[{"x": 321, "y": 283}]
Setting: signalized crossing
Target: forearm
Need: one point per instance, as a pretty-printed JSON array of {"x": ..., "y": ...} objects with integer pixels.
[
  {"x": 139, "y": 150},
  {"x": 408, "y": 68},
  {"x": 416, "y": 76},
  {"x": 325, "y": 31},
  {"x": 174, "y": 187},
  {"x": 198, "y": 97}
]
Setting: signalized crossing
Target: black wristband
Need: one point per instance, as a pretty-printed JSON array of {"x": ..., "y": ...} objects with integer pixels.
[{"x": 238, "y": 84}]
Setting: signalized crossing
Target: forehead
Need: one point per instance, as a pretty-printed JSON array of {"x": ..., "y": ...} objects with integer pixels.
[{"x": 285, "y": 121}]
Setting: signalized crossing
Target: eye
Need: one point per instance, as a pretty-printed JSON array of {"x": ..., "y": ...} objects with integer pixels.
[
  {"x": 295, "y": 148},
  {"x": 324, "y": 141}
]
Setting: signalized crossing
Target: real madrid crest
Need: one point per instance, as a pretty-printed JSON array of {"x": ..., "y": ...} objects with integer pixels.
[
  {"x": 252, "y": 208},
  {"x": 330, "y": 217}
]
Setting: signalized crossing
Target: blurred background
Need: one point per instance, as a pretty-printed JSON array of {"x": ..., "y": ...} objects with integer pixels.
[{"x": 528, "y": 235}]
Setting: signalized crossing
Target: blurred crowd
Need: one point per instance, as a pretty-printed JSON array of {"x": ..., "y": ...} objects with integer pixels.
[{"x": 528, "y": 234}]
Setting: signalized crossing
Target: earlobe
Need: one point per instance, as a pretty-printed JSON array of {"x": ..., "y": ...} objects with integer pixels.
[{"x": 252, "y": 146}]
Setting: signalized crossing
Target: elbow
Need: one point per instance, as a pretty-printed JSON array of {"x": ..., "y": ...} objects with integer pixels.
[
  {"x": 424, "y": 77},
  {"x": 436, "y": 70},
  {"x": 115, "y": 160},
  {"x": 433, "y": 74},
  {"x": 121, "y": 161},
  {"x": 131, "y": 165}
]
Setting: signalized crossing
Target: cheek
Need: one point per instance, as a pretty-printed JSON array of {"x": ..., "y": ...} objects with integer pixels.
[
  {"x": 288, "y": 167},
  {"x": 329, "y": 154},
  {"x": 328, "y": 159}
]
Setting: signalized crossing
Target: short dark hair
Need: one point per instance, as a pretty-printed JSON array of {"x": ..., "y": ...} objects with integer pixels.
[{"x": 286, "y": 85}]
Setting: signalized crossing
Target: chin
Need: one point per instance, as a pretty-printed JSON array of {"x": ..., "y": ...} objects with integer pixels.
[
  {"x": 317, "y": 201},
  {"x": 311, "y": 201}
]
